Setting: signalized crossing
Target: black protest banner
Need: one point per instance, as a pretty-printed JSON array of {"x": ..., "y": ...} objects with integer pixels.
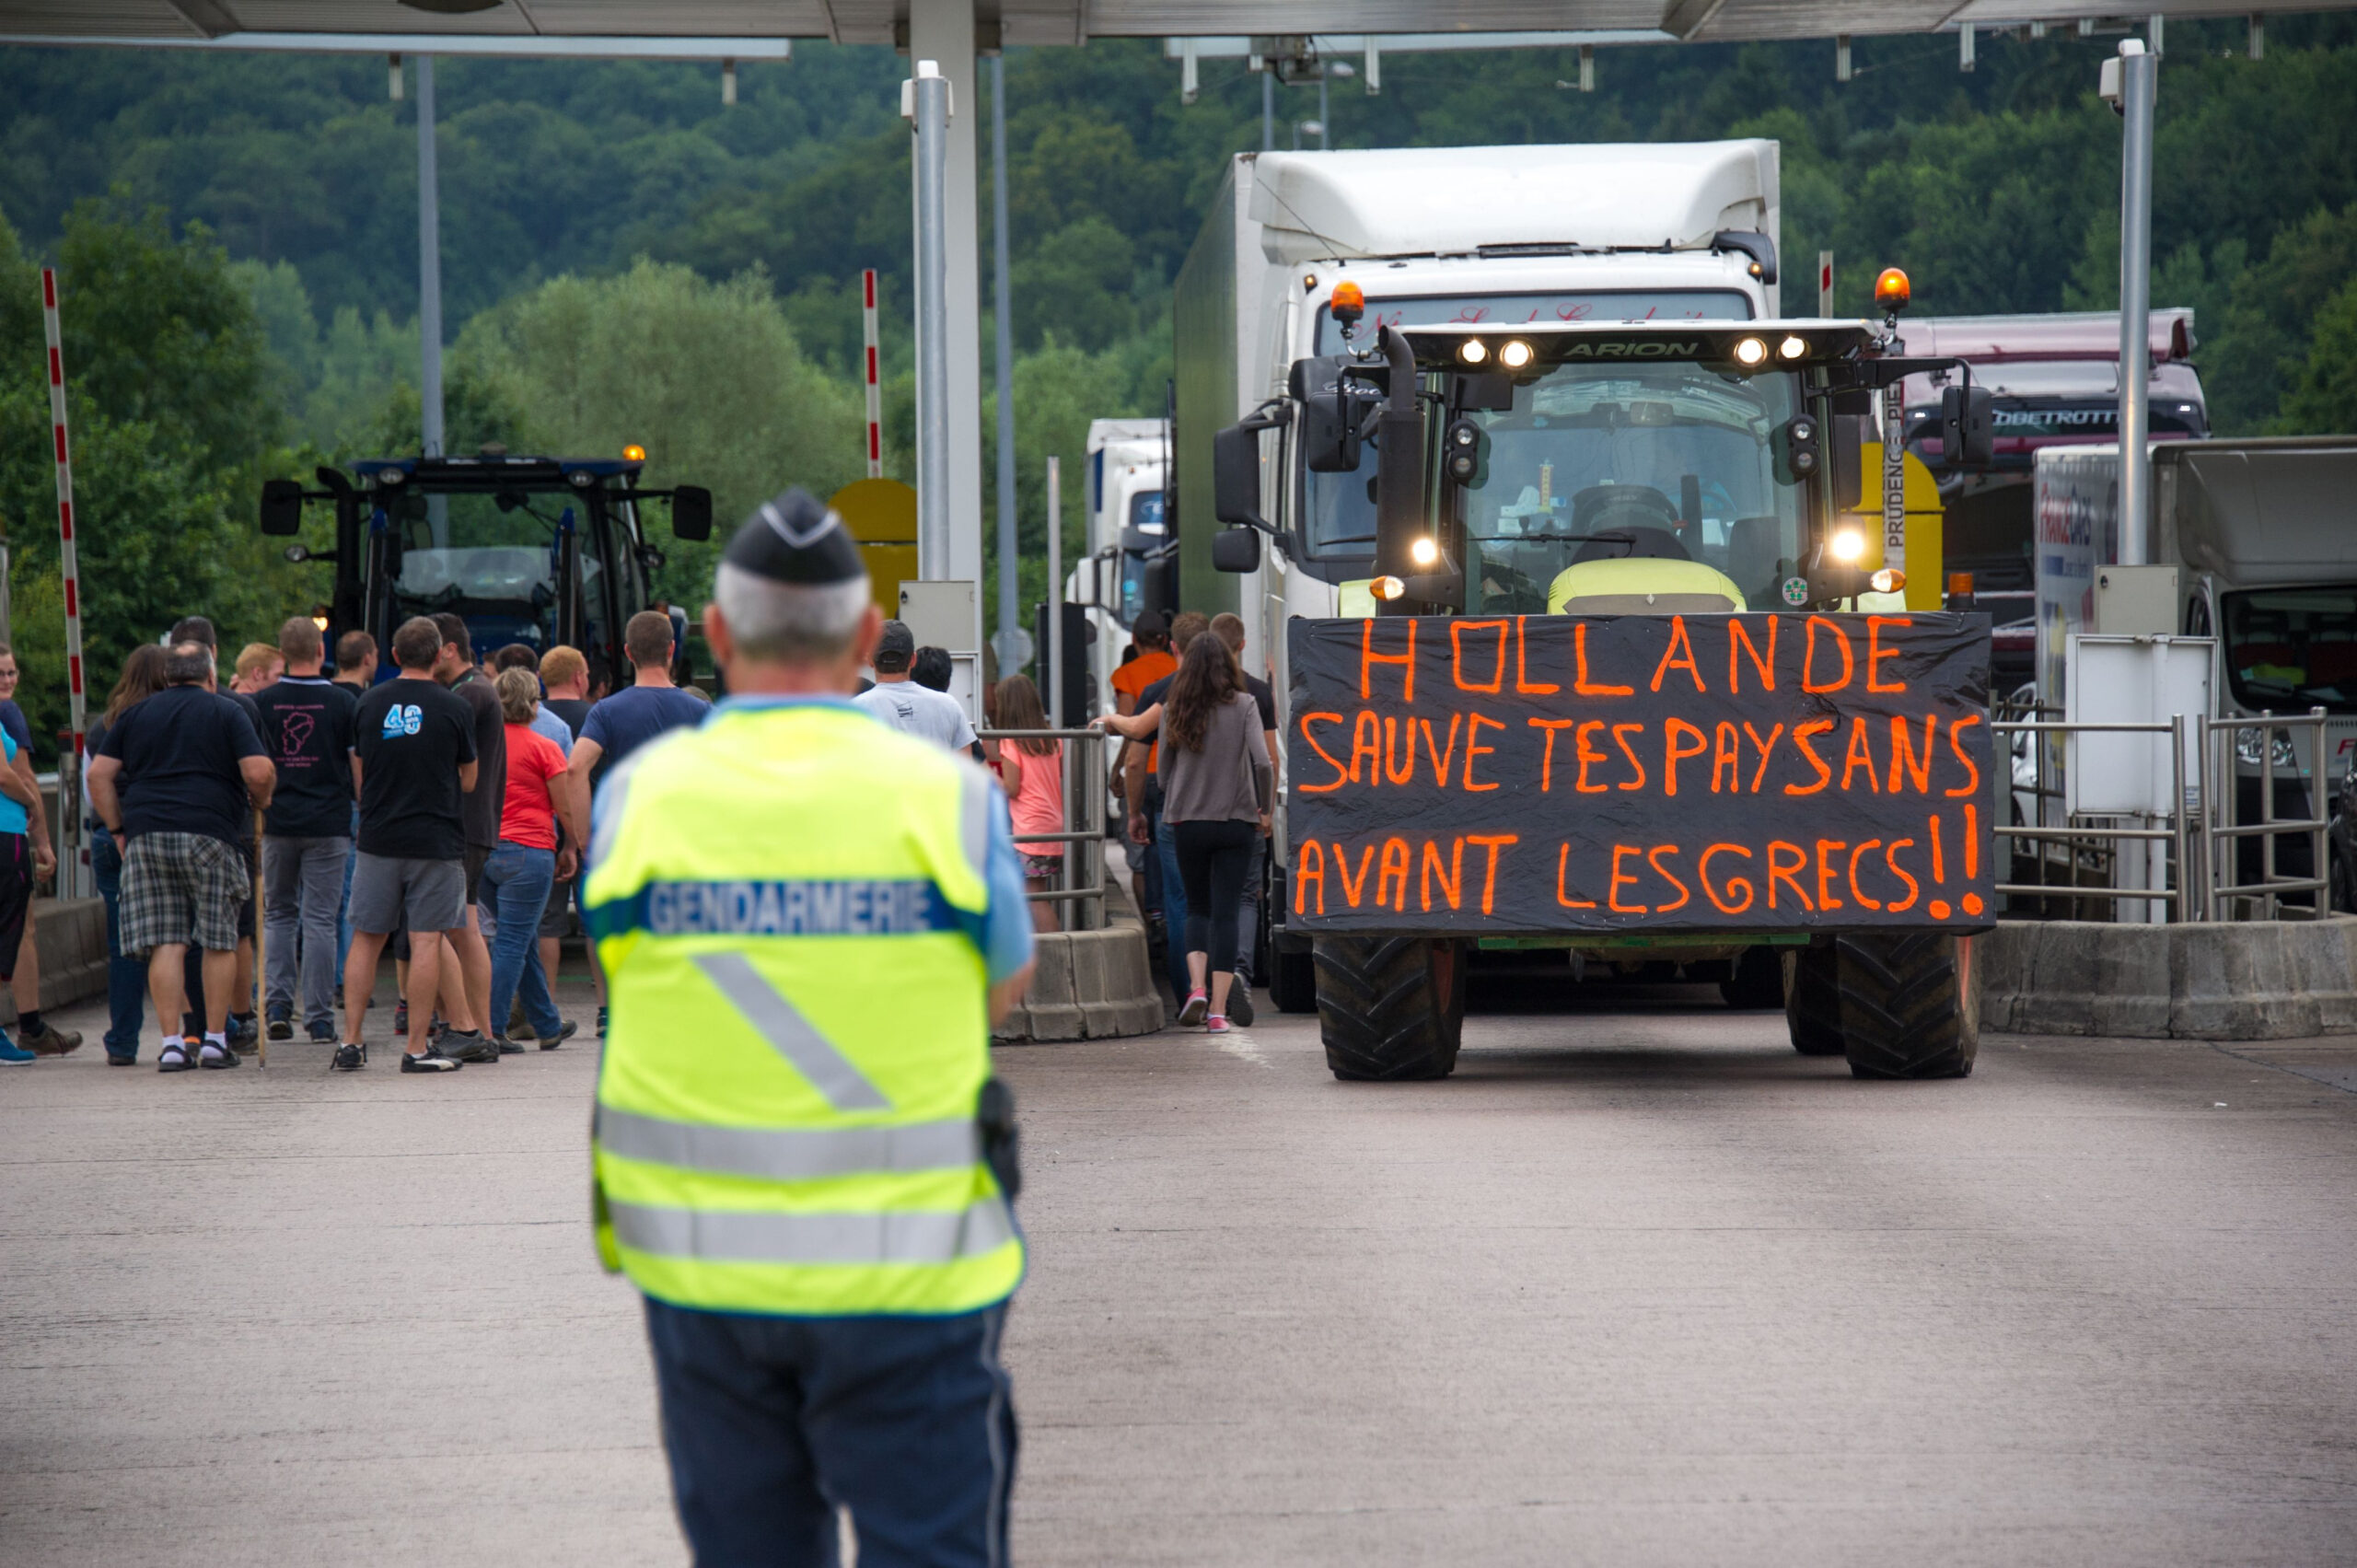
[{"x": 1678, "y": 773}]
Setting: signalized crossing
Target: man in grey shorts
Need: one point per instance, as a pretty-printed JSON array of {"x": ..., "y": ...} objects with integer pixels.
[{"x": 415, "y": 757}]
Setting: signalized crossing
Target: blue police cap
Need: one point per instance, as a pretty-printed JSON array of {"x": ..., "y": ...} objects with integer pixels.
[{"x": 795, "y": 539}]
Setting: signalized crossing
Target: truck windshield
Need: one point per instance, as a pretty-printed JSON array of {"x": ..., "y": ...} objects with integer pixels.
[
  {"x": 2292, "y": 648},
  {"x": 1671, "y": 460}
]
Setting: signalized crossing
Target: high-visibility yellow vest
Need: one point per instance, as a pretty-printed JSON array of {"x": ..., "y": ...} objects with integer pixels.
[{"x": 788, "y": 904}]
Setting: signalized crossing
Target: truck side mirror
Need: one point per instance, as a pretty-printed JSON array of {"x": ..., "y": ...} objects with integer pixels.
[
  {"x": 690, "y": 513},
  {"x": 1846, "y": 464},
  {"x": 1967, "y": 428},
  {"x": 1237, "y": 550},
  {"x": 1235, "y": 477},
  {"x": 281, "y": 506},
  {"x": 1331, "y": 413}
]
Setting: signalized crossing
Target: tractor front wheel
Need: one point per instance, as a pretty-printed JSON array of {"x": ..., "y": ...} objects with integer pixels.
[{"x": 1390, "y": 1006}]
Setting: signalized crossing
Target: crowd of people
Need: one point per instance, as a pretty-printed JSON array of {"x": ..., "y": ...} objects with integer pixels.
[{"x": 441, "y": 812}]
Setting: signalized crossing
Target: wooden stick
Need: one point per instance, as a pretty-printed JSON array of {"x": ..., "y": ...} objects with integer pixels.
[{"x": 261, "y": 973}]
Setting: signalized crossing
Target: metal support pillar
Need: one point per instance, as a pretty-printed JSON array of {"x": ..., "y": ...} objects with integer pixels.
[
  {"x": 1268, "y": 110},
  {"x": 1842, "y": 57},
  {"x": 429, "y": 263},
  {"x": 943, "y": 31},
  {"x": 1001, "y": 303},
  {"x": 2139, "y": 71},
  {"x": 1964, "y": 47},
  {"x": 925, "y": 101}
]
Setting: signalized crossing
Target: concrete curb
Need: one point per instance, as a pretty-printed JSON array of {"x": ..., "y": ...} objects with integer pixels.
[
  {"x": 2234, "y": 980},
  {"x": 1089, "y": 984},
  {"x": 71, "y": 936}
]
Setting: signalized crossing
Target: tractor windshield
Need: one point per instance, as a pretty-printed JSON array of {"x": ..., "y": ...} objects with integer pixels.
[
  {"x": 1666, "y": 461},
  {"x": 493, "y": 559}
]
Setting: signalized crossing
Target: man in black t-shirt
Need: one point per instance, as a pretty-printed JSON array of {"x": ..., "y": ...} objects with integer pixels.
[
  {"x": 171, "y": 783},
  {"x": 454, "y": 668},
  {"x": 415, "y": 757},
  {"x": 306, "y": 836}
]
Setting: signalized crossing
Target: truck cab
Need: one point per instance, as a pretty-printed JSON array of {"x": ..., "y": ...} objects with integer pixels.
[
  {"x": 537, "y": 550},
  {"x": 1131, "y": 562}
]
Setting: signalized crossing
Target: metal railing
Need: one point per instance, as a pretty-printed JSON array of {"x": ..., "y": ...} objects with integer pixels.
[
  {"x": 2221, "y": 743},
  {"x": 1083, "y": 879},
  {"x": 2180, "y": 837},
  {"x": 2192, "y": 878}
]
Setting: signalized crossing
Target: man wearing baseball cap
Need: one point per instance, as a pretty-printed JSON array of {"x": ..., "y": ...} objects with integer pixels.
[{"x": 908, "y": 707}]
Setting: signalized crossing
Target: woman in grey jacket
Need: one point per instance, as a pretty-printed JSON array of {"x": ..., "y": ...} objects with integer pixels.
[{"x": 1217, "y": 787}]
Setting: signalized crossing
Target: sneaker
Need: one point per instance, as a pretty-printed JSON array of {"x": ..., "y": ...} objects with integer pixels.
[
  {"x": 506, "y": 1047},
  {"x": 217, "y": 1053},
  {"x": 1216, "y": 1024},
  {"x": 49, "y": 1040},
  {"x": 565, "y": 1031},
  {"x": 243, "y": 1032},
  {"x": 468, "y": 1045},
  {"x": 349, "y": 1058},
  {"x": 401, "y": 1018},
  {"x": 122, "y": 1059},
  {"x": 1196, "y": 1005},
  {"x": 323, "y": 1034},
  {"x": 601, "y": 1022},
  {"x": 14, "y": 1055},
  {"x": 178, "y": 1056},
  {"x": 432, "y": 1062},
  {"x": 1240, "y": 1003},
  {"x": 281, "y": 1025}
]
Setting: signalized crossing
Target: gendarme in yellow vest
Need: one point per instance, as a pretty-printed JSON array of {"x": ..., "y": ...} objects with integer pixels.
[{"x": 788, "y": 903}]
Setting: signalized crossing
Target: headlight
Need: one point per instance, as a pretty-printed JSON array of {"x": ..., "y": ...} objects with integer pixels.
[
  {"x": 2286, "y": 759},
  {"x": 1793, "y": 348},
  {"x": 1473, "y": 351},
  {"x": 1516, "y": 355},
  {"x": 1424, "y": 553},
  {"x": 1751, "y": 352},
  {"x": 1848, "y": 545}
]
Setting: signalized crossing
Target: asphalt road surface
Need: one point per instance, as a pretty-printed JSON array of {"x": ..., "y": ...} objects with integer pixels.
[{"x": 1638, "y": 1285}]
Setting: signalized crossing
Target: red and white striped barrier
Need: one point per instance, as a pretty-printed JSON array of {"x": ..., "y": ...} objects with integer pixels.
[
  {"x": 66, "y": 564},
  {"x": 875, "y": 388}
]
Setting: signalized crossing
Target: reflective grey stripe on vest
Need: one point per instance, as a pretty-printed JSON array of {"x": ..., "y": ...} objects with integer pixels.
[
  {"x": 781, "y": 1023},
  {"x": 736, "y": 1236},
  {"x": 792, "y": 1153}
]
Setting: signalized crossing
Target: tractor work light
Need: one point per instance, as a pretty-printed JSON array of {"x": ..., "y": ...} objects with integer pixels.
[
  {"x": 1793, "y": 348},
  {"x": 1751, "y": 352},
  {"x": 1516, "y": 355},
  {"x": 387, "y": 478},
  {"x": 1889, "y": 580},
  {"x": 1473, "y": 351},
  {"x": 580, "y": 479},
  {"x": 1388, "y": 589},
  {"x": 1892, "y": 291},
  {"x": 633, "y": 453},
  {"x": 1848, "y": 544},
  {"x": 1424, "y": 553}
]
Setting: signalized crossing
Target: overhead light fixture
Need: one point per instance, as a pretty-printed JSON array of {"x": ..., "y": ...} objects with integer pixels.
[
  {"x": 1516, "y": 355},
  {"x": 1473, "y": 351},
  {"x": 1751, "y": 352},
  {"x": 1793, "y": 348}
]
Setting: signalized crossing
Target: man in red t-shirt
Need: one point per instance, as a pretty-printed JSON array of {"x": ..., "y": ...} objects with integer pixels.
[{"x": 516, "y": 878}]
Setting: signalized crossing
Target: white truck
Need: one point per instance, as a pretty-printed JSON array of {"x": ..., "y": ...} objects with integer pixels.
[
  {"x": 1658, "y": 233},
  {"x": 1128, "y": 561},
  {"x": 2255, "y": 539}
]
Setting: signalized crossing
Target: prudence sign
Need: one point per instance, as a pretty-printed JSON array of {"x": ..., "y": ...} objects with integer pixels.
[{"x": 1703, "y": 773}]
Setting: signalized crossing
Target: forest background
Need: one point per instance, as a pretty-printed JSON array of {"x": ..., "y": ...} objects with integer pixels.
[{"x": 626, "y": 260}]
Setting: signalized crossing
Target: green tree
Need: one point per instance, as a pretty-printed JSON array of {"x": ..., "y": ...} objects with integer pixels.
[
  {"x": 706, "y": 376},
  {"x": 2323, "y": 398}
]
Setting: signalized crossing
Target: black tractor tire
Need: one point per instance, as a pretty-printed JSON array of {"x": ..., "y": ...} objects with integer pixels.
[
  {"x": 1390, "y": 1006},
  {"x": 1292, "y": 980},
  {"x": 1757, "y": 982},
  {"x": 1910, "y": 1004},
  {"x": 1812, "y": 1000}
]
